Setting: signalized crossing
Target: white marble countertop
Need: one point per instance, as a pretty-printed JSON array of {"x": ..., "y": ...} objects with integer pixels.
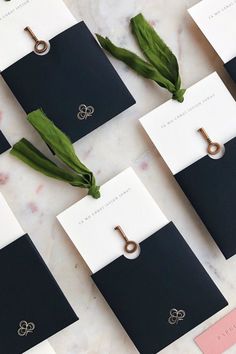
[{"x": 36, "y": 200}]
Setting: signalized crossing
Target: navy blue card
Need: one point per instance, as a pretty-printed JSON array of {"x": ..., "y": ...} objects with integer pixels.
[
  {"x": 32, "y": 306},
  {"x": 75, "y": 83},
  {"x": 162, "y": 294},
  {"x": 4, "y": 144}
]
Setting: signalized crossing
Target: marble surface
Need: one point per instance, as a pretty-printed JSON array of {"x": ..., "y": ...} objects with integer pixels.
[{"x": 36, "y": 200}]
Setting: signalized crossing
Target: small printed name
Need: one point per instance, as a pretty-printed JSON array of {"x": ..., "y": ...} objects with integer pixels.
[
  {"x": 104, "y": 206},
  {"x": 224, "y": 8},
  {"x": 187, "y": 111},
  {"x": 227, "y": 332},
  {"x": 12, "y": 9}
]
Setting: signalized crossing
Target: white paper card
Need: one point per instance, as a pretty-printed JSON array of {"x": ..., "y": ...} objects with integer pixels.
[
  {"x": 216, "y": 19},
  {"x": 47, "y": 18},
  {"x": 124, "y": 201},
  {"x": 10, "y": 227},
  {"x": 173, "y": 126}
]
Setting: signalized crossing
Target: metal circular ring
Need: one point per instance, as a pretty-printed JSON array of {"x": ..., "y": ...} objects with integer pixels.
[
  {"x": 40, "y": 46},
  {"x": 131, "y": 246},
  {"x": 213, "y": 148}
]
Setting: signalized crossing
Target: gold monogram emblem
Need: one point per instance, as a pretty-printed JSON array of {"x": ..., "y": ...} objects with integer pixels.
[
  {"x": 176, "y": 316},
  {"x": 25, "y": 328},
  {"x": 85, "y": 111}
]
